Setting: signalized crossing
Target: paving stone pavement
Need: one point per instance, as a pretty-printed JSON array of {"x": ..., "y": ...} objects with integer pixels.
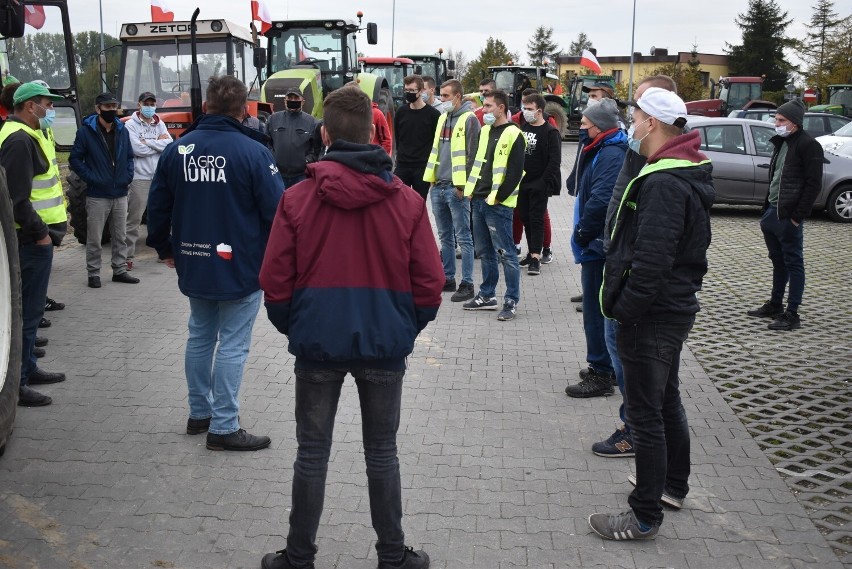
[{"x": 496, "y": 466}]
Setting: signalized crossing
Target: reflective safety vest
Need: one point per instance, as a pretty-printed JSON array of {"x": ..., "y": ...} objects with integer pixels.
[
  {"x": 458, "y": 151},
  {"x": 46, "y": 195},
  {"x": 500, "y": 162}
]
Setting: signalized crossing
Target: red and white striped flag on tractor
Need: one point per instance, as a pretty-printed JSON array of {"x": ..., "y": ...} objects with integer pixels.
[
  {"x": 260, "y": 13},
  {"x": 588, "y": 59},
  {"x": 160, "y": 12}
]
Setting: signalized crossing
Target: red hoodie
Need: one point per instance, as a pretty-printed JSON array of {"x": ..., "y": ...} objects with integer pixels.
[{"x": 383, "y": 136}]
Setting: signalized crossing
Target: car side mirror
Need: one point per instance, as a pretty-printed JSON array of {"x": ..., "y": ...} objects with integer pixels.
[{"x": 372, "y": 33}]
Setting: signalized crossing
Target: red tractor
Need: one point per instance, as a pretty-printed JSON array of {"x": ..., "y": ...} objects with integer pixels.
[{"x": 729, "y": 95}]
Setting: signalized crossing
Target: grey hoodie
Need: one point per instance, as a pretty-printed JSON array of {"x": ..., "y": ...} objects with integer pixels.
[
  {"x": 445, "y": 163},
  {"x": 146, "y": 143}
]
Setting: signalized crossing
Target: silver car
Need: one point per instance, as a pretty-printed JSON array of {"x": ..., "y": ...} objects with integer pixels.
[{"x": 740, "y": 150}]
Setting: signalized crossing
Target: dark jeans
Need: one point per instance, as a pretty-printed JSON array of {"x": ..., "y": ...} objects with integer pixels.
[
  {"x": 786, "y": 251},
  {"x": 413, "y": 177},
  {"x": 532, "y": 207},
  {"x": 317, "y": 394},
  {"x": 36, "y": 261},
  {"x": 650, "y": 356},
  {"x": 292, "y": 180},
  {"x": 610, "y": 330},
  {"x": 591, "y": 279}
]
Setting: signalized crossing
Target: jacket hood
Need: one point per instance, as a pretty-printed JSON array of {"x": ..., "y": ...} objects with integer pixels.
[
  {"x": 92, "y": 121},
  {"x": 466, "y": 106},
  {"x": 683, "y": 147},
  {"x": 340, "y": 186}
]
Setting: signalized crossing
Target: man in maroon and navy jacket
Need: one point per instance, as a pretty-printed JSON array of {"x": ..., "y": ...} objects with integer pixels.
[{"x": 351, "y": 275}]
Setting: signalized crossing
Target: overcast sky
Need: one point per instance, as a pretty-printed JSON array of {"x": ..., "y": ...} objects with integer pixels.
[{"x": 424, "y": 26}]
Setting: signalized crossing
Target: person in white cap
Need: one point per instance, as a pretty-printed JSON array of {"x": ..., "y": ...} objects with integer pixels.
[{"x": 654, "y": 266}]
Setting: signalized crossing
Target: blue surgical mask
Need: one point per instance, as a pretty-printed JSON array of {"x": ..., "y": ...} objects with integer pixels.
[
  {"x": 632, "y": 143},
  {"x": 583, "y": 136},
  {"x": 147, "y": 111},
  {"x": 425, "y": 96},
  {"x": 489, "y": 118},
  {"x": 46, "y": 121}
]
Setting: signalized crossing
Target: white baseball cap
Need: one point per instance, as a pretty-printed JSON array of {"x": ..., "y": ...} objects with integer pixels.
[{"x": 663, "y": 105}]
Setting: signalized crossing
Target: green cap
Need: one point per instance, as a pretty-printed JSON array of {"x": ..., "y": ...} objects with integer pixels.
[{"x": 29, "y": 90}]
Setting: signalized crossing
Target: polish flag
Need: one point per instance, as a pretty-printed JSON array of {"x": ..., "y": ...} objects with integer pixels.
[
  {"x": 260, "y": 13},
  {"x": 160, "y": 12},
  {"x": 224, "y": 251},
  {"x": 34, "y": 16},
  {"x": 588, "y": 59}
]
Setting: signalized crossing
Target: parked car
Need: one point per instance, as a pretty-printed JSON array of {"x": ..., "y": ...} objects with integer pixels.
[
  {"x": 816, "y": 124},
  {"x": 837, "y": 140},
  {"x": 740, "y": 150}
]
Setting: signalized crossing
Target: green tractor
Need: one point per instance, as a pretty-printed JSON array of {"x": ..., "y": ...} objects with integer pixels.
[
  {"x": 513, "y": 79},
  {"x": 577, "y": 99},
  {"x": 319, "y": 56},
  {"x": 839, "y": 101}
]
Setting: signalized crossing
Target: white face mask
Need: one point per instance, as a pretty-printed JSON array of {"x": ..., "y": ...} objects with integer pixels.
[
  {"x": 782, "y": 131},
  {"x": 529, "y": 116},
  {"x": 448, "y": 106}
]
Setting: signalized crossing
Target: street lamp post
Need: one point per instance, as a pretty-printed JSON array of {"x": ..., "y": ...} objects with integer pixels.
[
  {"x": 393, "y": 26},
  {"x": 103, "y": 70},
  {"x": 632, "y": 40}
]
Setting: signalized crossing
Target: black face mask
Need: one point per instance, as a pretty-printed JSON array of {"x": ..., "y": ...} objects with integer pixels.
[
  {"x": 411, "y": 97},
  {"x": 294, "y": 105},
  {"x": 109, "y": 116}
]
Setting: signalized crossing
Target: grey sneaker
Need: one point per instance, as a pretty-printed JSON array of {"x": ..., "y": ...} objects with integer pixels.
[
  {"x": 465, "y": 292},
  {"x": 621, "y": 527},
  {"x": 508, "y": 312},
  {"x": 479, "y": 302},
  {"x": 667, "y": 499},
  {"x": 546, "y": 256}
]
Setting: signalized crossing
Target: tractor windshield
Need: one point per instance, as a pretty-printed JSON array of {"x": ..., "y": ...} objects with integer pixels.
[
  {"x": 326, "y": 50},
  {"x": 394, "y": 74},
  {"x": 842, "y": 96},
  {"x": 738, "y": 94},
  {"x": 164, "y": 69}
]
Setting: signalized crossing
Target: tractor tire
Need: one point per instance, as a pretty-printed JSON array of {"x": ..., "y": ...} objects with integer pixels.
[
  {"x": 76, "y": 198},
  {"x": 11, "y": 327},
  {"x": 558, "y": 113}
]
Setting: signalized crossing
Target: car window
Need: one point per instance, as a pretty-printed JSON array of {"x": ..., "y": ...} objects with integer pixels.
[
  {"x": 702, "y": 134},
  {"x": 836, "y": 123},
  {"x": 761, "y": 136},
  {"x": 724, "y": 138},
  {"x": 814, "y": 125}
]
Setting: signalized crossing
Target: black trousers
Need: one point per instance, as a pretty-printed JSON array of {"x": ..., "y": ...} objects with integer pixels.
[
  {"x": 532, "y": 205},
  {"x": 413, "y": 176}
]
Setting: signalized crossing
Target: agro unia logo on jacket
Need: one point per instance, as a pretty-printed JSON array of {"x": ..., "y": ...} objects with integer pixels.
[{"x": 202, "y": 168}]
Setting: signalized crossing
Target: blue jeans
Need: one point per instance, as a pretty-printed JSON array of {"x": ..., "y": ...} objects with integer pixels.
[
  {"x": 292, "y": 180},
  {"x": 650, "y": 355},
  {"x": 452, "y": 216},
  {"x": 492, "y": 230},
  {"x": 36, "y": 261},
  {"x": 214, "y": 385},
  {"x": 610, "y": 328},
  {"x": 591, "y": 279},
  {"x": 317, "y": 394},
  {"x": 786, "y": 251}
]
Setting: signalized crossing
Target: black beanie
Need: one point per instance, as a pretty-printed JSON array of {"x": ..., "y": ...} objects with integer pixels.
[{"x": 794, "y": 111}]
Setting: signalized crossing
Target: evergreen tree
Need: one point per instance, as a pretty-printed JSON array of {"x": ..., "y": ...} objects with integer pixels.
[
  {"x": 577, "y": 46},
  {"x": 541, "y": 47},
  {"x": 762, "y": 51},
  {"x": 495, "y": 52}
]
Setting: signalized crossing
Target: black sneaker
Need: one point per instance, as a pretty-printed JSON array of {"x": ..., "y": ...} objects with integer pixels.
[
  {"x": 41, "y": 377},
  {"x": 666, "y": 499},
  {"x": 508, "y": 312},
  {"x": 465, "y": 292},
  {"x": 28, "y": 397},
  {"x": 618, "y": 445},
  {"x": 410, "y": 560},
  {"x": 479, "y": 302},
  {"x": 94, "y": 282},
  {"x": 279, "y": 560},
  {"x": 44, "y": 323},
  {"x": 41, "y": 341},
  {"x": 578, "y": 298},
  {"x": 621, "y": 527},
  {"x": 124, "y": 278},
  {"x": 39, "y": 352},
  {"x": 768, "y": 310},
  {"x": 595, "y": 385},
  {"x": 238, "y": 440},
  {"x": 525, "y": 261},
  {"x": 50, "y": 304},
  {"x": 786, "y": 321},
  {"x": 449, "y": 285},
  {"x": 546, "y": 256},
  {"x": 197, "y": 426},
  {"x": 534, "y": 267}
]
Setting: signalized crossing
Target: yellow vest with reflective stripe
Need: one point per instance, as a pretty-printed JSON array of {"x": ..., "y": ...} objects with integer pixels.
[
  {"x": 500, "y": 162},
  {"x": 46, "y": 195},
  {"x": 458, "y": 151}
]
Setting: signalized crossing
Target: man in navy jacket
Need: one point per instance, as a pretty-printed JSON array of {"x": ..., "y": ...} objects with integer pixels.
[
  {"x": 210, "y": 209},
  {"x": 103, "y": 158}
]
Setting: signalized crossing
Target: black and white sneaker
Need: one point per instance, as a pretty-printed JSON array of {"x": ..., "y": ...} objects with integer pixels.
[
  {"x": 479, "y": 302},
  {"x": 621, "y": 527},
  {"x": 508, "y": 312},
  {"x": 666, "y": 499},
  {"x": 525, "y": 261},
  {"x": 534, "y": 267},
  {"x": 546, "y": 255}
]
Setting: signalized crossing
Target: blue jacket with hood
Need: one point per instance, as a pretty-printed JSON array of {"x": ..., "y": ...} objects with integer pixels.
[
  {"x": 211, "y": 206},
  {"x": 105, "y": 177}
]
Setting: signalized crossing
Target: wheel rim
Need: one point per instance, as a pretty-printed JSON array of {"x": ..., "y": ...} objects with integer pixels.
[
  {"x": 5, "y": 309},
  {"x": 843, "y": 204}
]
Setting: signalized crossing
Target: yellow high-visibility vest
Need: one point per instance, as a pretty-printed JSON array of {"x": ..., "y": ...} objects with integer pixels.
[
  {"x": 46, "y": 195},
  {"x": 458, "y": 151},
  {"x": 500, "y": 162}
]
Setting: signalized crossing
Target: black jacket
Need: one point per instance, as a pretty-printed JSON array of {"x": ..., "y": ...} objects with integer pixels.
[
  {"x": 658, "y": 252},
  {"x": 801, "y": 175}
]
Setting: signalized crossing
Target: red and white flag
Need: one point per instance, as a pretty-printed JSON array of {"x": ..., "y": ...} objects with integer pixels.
[
  {"x": 588, "y": 59},
  {"x": 34, "y": 16},
  {"x": 260, "y": 13},
  {"x": 160, "y": 12}
]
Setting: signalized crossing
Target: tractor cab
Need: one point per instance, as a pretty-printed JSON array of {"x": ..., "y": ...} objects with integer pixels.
[
  {"x": 434, "y": 66},
  {"x": 394, "y": 70},
  {"x": 157, "y": 57},
  {"x": 839, "y": 101}
]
